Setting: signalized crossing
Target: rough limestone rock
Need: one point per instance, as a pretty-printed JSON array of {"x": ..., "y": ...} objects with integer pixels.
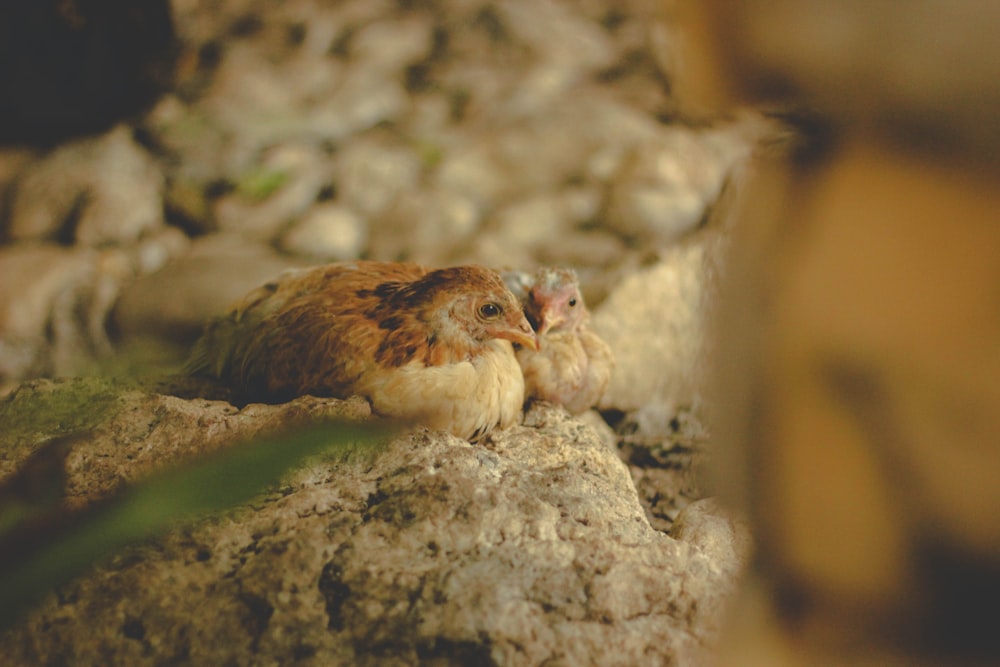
[
  {"x": 654, "y": 322},
  {"x": 531, "y": 548},
  {"x": 133, "y": 430},
  {"x": 713, "y": 528}
]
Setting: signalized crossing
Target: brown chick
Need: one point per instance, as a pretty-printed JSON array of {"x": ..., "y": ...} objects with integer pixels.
[
  {"x": 429, "y": 346},
  {"x": 572, "y": 366}
]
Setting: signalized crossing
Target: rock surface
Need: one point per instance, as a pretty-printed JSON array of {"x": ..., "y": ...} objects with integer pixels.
[
  {"x": 531, "y": 548},
  {"x": 654, "y": 322}
]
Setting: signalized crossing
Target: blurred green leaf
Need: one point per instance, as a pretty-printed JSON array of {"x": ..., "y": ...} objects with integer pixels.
[
  {"x": 40, "y": 554},
  {"x": 259, "y": 184},
  {"x": 431, "y": 154}
]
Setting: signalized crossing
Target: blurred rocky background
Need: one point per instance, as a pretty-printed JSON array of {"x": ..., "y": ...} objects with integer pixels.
[{"x": 512, "y": 134}]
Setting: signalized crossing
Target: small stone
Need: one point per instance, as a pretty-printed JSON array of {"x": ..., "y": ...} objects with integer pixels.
[
  {"x": 328, "y": 231},
  {"x": 567, "y": 48},
  {"x": 54, "y": 302},
  {"x": 281, "y": 187},
  {"x": 583, "y": 249},
  {"x": 471, "y": 169},
  {"x": 668, "y": 212},
  {"x": 95, "y": 191},
  {"x": 541, "y": 219},
  {"x": 370, "y": 173},
  {"x": 363, "y": 100},
  {"x": 265, "y": 100},
  {"x": 559, "y": 34},
  {"x": 664, "y": 188},
  {"x": 175, "y": 302},
  {"x": 539, "y": 226},
  {"x": 390, "y": 45},
  {"x": 156, "y": 251},
  {"x": 426, "y": 225}
]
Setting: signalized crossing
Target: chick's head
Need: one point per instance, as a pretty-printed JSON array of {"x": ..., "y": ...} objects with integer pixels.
[
  {"x": 554, "y": 301},
  {"x": 473, "y": 305}
]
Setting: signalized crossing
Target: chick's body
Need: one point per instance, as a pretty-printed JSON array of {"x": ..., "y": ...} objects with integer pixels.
[
  {"x": 572, "y": 365},
  {"x": 430, "y": 346}
]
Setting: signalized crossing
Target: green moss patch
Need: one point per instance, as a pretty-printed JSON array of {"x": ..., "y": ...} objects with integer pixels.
[{"x": 49, "y": 408}]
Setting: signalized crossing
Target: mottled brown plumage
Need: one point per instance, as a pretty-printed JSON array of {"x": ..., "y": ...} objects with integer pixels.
[
  {"x": 430, "y": 346},
  {"x": 572, "y": 365}
]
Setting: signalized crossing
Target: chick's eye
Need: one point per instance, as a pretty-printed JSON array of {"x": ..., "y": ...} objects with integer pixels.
[
  {"x": 490, "y": 311},
  {"x": 572, "y": 302}
]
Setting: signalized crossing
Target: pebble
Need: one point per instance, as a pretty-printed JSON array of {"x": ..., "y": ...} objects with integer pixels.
[
  {"x": 427, "y": 226},
  {"x": 370, "y": 173},
  {"x": 54, "y": 307},
  {"x": 666, "y": 186},
  {"x": 329, "y": 231},
  {"x": 281, "y": 187},
  {"x": 98, "y": 191},
  {"x": 175, "y": 302}
]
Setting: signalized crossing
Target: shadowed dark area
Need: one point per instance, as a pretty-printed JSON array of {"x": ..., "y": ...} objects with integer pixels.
[{"x": 74, "y": 67}]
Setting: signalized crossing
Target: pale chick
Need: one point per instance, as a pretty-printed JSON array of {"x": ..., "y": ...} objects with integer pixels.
[
  {"x": 572, "y": 365},
  {"x": 432, "y": 347}
]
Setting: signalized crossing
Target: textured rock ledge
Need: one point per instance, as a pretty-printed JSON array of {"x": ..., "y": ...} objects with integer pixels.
[{"x": 529, "y": 549}]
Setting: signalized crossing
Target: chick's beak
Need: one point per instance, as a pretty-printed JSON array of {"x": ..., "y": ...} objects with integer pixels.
[
  {"x": 521, "y": 333},
  {"x": 548, "y": 321}
]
